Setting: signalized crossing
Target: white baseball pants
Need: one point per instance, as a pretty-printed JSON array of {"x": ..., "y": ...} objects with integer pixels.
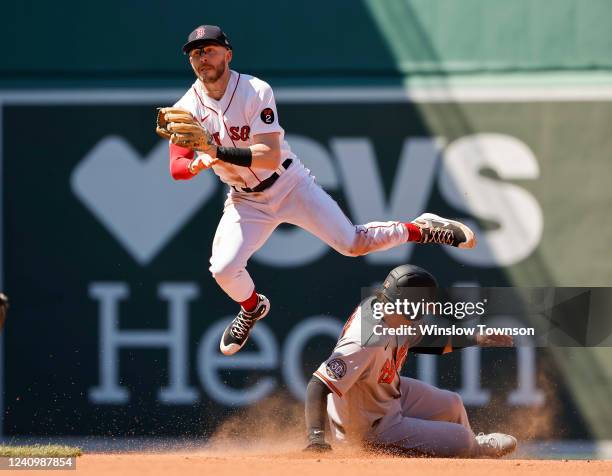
[{"x": 250, "y": 218}]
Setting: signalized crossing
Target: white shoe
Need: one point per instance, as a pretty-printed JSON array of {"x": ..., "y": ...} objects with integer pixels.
[
  {"x": 495, "y": 445},
  {"x": 435, "y": 229}
]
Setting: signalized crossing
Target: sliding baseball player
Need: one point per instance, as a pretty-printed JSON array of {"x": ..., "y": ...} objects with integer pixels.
[{"x": 359, "y": 390}]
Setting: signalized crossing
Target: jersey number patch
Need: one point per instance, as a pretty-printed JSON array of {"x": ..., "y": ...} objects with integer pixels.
[{"x": 267, "y": 115}]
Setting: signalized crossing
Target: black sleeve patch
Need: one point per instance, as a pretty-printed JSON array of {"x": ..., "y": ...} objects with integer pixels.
[
  {"x": 267, "y": 115},
  {"x": 336, "y": 369}
]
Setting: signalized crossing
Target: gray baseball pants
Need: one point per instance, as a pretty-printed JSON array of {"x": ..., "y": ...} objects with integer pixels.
[{"x": 434, "y": 423}]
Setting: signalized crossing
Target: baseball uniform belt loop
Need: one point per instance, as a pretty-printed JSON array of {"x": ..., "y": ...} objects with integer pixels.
[{"x": 264, "y": 184}]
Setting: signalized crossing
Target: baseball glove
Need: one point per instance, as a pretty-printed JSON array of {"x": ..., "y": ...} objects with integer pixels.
[
  {"x": 179, "y": 127},
  {"x": 3, "y": 309}
]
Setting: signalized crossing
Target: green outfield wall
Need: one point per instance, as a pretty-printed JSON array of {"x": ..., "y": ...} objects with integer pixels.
[{"x": 71, "y": 41}]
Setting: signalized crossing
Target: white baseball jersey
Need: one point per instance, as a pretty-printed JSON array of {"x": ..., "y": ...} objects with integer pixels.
[
  {"x": 365, "y": 381},
  {"x": 247, "y": 108}
]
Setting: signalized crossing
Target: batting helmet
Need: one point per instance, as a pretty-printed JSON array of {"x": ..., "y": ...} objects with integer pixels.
[{"x": 403, "y": 279}]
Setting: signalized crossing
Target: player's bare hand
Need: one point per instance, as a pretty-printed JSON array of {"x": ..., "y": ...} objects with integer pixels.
[
  {"x": 494, "y": 340},
  {"x": 201, "y": 162},
  {"x": 318, "y": 447}
]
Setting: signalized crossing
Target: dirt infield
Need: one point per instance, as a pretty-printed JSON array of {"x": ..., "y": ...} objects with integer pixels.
[
  {"x": 299, "y": 464},
  {"x": 267, "y": 440}
]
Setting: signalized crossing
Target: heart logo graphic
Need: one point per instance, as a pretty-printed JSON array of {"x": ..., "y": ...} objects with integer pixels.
[{"x": 135, "y": 198}]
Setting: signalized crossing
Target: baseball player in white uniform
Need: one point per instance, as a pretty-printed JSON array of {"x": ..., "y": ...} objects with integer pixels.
[
  {"x": 360, "y": 391},
  {"x": 268, "y": 183}
]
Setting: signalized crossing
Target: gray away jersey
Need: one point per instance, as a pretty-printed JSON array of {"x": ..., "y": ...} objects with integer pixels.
[{"x": 364, "y": 381}]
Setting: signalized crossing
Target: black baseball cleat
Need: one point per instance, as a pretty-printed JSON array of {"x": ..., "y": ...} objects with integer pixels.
[
  {"x": 435, "y": 229},
  {"x": 495, "y": 445},
  {"x": 237, "y": 332}
]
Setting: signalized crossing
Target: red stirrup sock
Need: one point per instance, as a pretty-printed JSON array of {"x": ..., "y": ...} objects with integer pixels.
[
  {"x": 251, "y": 303},
  {"x": 414, "y": 232}
]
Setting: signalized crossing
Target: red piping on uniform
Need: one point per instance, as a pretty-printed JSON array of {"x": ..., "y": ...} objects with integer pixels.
[
  {"x": 223, "y": 117},
  {"x": 251, "y": 170},
  {"x": 226, "y": 109},
  {"x": 227, "y": 130},
  {"x": 231, "y": 99},
  {"x": 202, "y": 102},
  {"x": 331, "y": 386}
]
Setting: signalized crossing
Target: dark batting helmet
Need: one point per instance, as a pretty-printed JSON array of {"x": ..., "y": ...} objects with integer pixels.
[{"x": 401, "y": 281}]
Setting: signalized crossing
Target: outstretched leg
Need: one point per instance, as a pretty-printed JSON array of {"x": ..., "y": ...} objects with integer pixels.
[
  {"x": 435, "y": 423},
  {"x": 310, "y": 207},
  {"x": 424, "y": 401},
  {"x": 417, "y": 437}
]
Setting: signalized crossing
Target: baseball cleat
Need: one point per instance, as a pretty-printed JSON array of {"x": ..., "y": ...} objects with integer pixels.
[
  {"x": 237, "y": 332},
  {"x": 495, "y": 445},
  {"x": 435, "y": 229}
]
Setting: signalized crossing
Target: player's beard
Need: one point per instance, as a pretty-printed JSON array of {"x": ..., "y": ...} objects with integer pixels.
[{"x": 213, "y": 75}]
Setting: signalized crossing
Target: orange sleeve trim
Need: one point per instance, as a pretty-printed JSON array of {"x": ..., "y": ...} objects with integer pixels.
[
  {"x": 448, "y": 347},
  {"x": 330, "y": 385}
]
